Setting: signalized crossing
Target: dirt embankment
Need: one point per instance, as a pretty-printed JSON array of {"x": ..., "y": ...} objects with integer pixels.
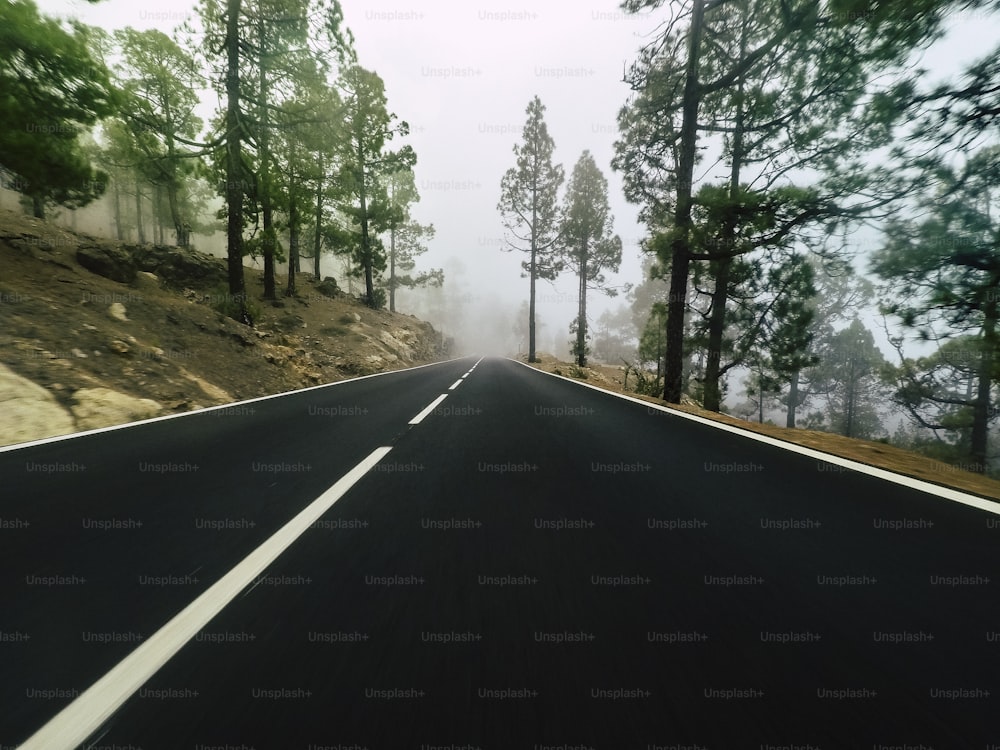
[{"x": 94, "y": 333}]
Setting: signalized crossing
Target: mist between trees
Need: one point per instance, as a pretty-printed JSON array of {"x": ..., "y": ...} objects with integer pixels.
[
  {"x": 296, "y": 165},
  {"x": 792, "y": 167},
  {"x": 759, "y": 138}
]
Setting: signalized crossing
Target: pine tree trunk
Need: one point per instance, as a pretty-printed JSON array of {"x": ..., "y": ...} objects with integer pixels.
[
  {"x": 793, "y": 399},
  {"x": 234, "y": 175},
  {"x": 981, "y": 407},
  {"x": 181, "y": 234},
  {"x": 660, "y": 345},
  {"x": 140, "y": 230},
  {"x": 716, "y": 328},
  {"x": 180, "y": 230},
  {"x": 293, "y": 241},
  {"x": 531, "y": 308},
  {"x": 680, "y": 250},
  {"x": 850, "y": 397},
  {"x": 366, "y": 249},
  {"x": 267, "y": 210},
  {"x": 392, "y": 268},
  {"x": 532, "y": 272},
  {"x": 157, "y": 217},
  {"x": 318, "y": 237},
  {"x": 366, "y": 252},
  {"x": 581, "y": 325},
  {"x": 119, "y": 234}
]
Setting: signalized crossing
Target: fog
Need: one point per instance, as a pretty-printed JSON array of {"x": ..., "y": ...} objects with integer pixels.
[{"x": 461, "y": 75}]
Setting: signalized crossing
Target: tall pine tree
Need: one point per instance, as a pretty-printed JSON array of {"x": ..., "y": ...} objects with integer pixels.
[{"x": 528, "y": 205}]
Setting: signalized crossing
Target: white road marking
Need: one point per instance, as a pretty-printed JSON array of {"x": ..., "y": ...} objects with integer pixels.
[
  {"x": 930, "y": 488},
  {"x": 456, "y": 384},
  {"x": 72, "y": 435},
  {"x": 470, "y": 370},
  {"x": 71, "y": 726},
  {"x": 420, "y": 417}
]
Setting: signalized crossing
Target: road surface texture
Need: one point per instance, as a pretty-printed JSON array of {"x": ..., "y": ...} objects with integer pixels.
[{"x": 528, "y": 563}]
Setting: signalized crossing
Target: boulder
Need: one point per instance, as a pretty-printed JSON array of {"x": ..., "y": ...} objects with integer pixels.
[
  {"x": 119, "y": 347},
  {"x": 103, "y": 407},
  {"x": 116, "y": 311},
  {"x": 395, "y": 345},
  {"x": 179, "y": 267},
  {"x": 328, "y": 287},
  {"x": 29, "y": 411},
  {"x": 107, "y": 261},
  {"x": 147, "y": 280}
]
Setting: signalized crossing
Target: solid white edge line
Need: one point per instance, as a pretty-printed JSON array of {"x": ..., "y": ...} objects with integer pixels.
[
  {"x": 230, "y": 405},
  {"x": 947, "y": 493},
  {"x": 420, "y": 417},
  {"x": 77, "y": 721},
  {"x": 455, "y": 385}
]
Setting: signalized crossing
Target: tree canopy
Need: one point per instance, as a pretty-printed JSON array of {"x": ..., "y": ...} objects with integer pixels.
[{"x": 51, "y": 90}]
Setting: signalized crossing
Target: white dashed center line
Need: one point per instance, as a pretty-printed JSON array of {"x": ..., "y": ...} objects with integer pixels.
[{"x": 433, "y": 405}]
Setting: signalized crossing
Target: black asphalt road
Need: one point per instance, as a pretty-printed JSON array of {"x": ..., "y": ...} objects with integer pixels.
[{"x": 535, "y": 564}]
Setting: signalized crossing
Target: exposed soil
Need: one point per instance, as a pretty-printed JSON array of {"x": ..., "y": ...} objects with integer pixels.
[{"x": 58, "y": 329}]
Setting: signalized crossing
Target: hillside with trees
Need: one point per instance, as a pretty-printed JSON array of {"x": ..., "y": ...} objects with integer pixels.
[{"x": 824, "y": 128}]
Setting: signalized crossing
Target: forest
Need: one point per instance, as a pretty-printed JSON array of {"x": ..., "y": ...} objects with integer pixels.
[
  {"x": 300, "y": 157},
  {"x": 823, "y": 128},
  {"x": 758, "y": 139}
]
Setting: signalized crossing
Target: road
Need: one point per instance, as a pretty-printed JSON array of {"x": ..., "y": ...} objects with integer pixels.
[{"x": 528, "y": 564}]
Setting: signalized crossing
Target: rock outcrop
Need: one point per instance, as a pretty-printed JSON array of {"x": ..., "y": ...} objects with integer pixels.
[
  {"x": 103, "y": 407},
  {"x": 179, "y": 267},
  {"x": 30, "y": 412},
  {"x": 328, "y": 287},
  {"x": 108, "y": 261}
]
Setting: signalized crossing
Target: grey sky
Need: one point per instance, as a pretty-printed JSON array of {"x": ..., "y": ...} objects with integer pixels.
[{"x": 462, "y": 75}]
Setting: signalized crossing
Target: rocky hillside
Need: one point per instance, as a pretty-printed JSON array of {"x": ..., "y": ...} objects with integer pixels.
[{"x": 94, "y": 333}]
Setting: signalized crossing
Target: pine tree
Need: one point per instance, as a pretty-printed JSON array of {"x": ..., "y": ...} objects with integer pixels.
[
  {"x": 366, "y": 162},
  {"x": 51, "y": 89},
  {"x": 528, "y": 205},
  {"x": 586, "y": 243},
  {"x": 946, "y": 270}
]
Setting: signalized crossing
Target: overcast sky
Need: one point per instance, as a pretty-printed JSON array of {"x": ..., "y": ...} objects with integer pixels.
[{"x": 462, "y": 73}]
